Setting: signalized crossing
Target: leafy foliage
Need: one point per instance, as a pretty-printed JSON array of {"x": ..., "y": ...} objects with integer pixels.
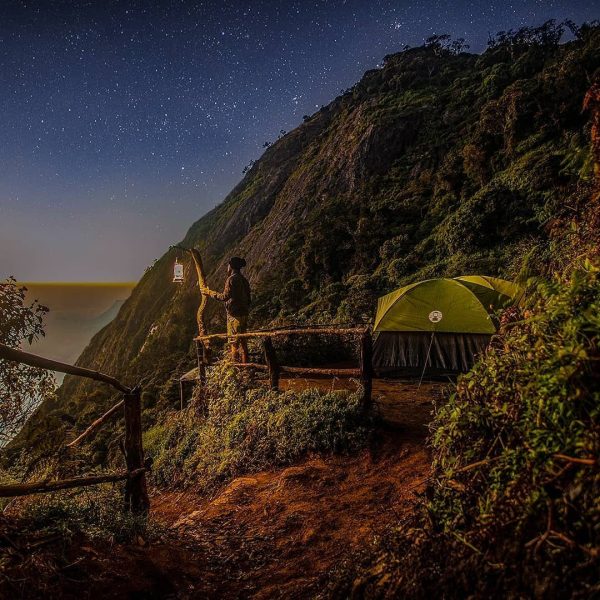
[
  {"x": 97, "y": 514},
  {"x": 247, "y": 429},
  {"x": 22, "y": 387},
  {"x": 512, "y": 509},
  {"x": 529, "y": 406}
]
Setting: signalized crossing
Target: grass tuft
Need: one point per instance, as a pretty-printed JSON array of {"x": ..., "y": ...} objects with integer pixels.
[{"x": 245, "y": 429}]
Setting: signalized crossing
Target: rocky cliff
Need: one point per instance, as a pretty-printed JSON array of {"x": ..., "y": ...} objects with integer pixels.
[{"x": 438, "y": 163}]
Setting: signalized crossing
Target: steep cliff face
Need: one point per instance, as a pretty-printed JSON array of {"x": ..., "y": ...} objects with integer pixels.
[{"x": 434, "y": 164}]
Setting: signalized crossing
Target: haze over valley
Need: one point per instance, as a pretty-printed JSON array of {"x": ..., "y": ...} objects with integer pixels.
[{"x": 77, "y": 312}]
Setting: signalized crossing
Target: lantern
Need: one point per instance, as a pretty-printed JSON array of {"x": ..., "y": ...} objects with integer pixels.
[{"x": 178, "y": 272}]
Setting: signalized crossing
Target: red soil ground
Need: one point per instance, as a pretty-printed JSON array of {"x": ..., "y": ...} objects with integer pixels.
[{"x": 270, "y": 535}]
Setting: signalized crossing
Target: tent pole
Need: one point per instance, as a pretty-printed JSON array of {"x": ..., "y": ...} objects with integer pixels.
[{"x": 426, "y": 360}]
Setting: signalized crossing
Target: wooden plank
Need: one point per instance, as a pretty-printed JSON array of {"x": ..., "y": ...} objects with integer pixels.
[
  {"x": 190, "y": 375},
  {"x": 272, "y": 364},
  {"x": 366, "y": 366},
  {"x": 136, "y": 491},
  {"x": 303, "y": 370},
  {"x": 95, "y": 424},
  {"x": 280, "y": 332},
  {"x": 317, "y": 371},
  {"x": 201, "y": 285},
  {"x": 201, "y": 278},
  {"x": 256, "y": 366},
  {"x": 201, "y": 360},
  {"x": 41, "y": 487},
  {"x": 34, "y": 360}
]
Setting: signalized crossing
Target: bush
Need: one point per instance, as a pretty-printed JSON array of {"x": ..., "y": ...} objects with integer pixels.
[
  {"x": 248, "y": 429},
  {"x": 492, "y": 215},
  {"x": 95, "y": 512},
  {"x": 512, "y": 510},
  {"x": 533, "y": 401}
]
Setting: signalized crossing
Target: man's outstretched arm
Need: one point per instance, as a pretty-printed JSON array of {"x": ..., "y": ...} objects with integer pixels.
[{"x": 222, "y": 296}]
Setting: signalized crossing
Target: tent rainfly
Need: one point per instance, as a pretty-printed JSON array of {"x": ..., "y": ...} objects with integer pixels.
[{"x": 439, "y": 324}]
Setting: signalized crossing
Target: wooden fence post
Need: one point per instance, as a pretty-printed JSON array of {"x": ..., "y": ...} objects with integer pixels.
[
  {"x": 201, "y": 355},
  {"x": 136, "y": 491},
  {"x": 272, "y": 364},
  {"x": 366, "y": 366}
]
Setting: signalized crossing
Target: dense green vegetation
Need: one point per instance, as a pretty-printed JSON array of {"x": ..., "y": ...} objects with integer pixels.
[
  {"x": 240, "y": 428},
  {"x": 534, "y": 401},
  {"x": 98, "y": 515},
  {"x": 513, "y": 505},
  {"x": 437, "y": 163},
  {"x": 440, "y": 162}
]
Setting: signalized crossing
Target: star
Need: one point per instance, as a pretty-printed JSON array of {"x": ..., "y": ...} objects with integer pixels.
[{"x": 102, "y": 103}]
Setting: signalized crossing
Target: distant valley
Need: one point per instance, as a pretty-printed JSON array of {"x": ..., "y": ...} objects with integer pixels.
[{"x": 77, "y": 312}]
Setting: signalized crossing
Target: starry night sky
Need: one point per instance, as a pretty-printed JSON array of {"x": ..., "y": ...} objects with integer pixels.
[{"x": 122, "y": 122}]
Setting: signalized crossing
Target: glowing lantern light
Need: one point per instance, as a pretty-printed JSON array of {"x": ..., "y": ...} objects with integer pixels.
[{"x": 177, "y": 272}]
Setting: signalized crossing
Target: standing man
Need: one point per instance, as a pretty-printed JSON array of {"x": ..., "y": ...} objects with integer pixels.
[{"x": 236, "y": 296}]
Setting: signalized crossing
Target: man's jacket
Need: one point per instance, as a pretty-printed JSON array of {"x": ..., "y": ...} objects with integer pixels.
[{"x": 236, "y": 295}]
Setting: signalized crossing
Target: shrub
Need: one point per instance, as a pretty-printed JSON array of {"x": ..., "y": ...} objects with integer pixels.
[
  {"x": 249, "y": 429},
  {"x": 512, "y": 510},
  {"x": 533, "y": 401},
  {"x": 492, "y": 215},
  {"x": 95, "y": 512}
]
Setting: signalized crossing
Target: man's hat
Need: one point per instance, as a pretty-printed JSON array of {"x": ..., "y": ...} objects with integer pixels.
[{"x": 237, "y": 263}]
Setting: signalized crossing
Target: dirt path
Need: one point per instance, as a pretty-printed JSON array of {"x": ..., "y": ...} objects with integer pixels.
[
  {"x": 274, "y": 534},
  {"x": 277, "y": 534}
]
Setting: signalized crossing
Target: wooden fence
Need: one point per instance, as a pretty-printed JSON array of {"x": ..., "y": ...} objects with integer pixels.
[
  {"x": 136, "y": 492},
  {"x": 363, "y": 372}
]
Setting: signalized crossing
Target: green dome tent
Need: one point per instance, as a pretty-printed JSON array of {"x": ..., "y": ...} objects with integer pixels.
[{"x": 439, "y": 323}]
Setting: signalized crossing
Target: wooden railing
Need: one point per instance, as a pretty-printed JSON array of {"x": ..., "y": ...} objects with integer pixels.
[
  {"x": 364, "y": 371},
  {"x": 136, "y": 492}
]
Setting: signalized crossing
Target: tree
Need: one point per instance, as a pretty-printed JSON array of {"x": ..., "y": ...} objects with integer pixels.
[
  {"x": 438, "y": 43},
  {"x": 475, "y": 163},
  {"x": 248, "y": 167},
  {"x": 443, "y": 44},
  {"x": 22, "y": 387},
  {"x": 458, "y": 46},
  {"x": 547, "y": 35}
]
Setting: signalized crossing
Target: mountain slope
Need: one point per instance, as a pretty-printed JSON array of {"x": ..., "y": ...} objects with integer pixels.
[{"x": 434, "y": 164}]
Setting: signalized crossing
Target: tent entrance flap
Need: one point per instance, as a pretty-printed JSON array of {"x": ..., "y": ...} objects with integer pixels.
[{"x": 408, "y": 349}]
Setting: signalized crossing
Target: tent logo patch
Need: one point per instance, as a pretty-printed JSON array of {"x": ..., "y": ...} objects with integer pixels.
[{"x": 435, "y": 316}]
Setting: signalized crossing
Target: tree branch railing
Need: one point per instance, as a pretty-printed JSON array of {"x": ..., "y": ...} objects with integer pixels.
[
  {"x": 33, "y": 360},
  {"x": 270, "y": 333},
  {"x": 355, "y": 373},
  {"x": 136, "y": 492},
  {"x": 42, "y": 487},
  {"x": 364, "y": 372},
  {"x": 95, "y": 424}
]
